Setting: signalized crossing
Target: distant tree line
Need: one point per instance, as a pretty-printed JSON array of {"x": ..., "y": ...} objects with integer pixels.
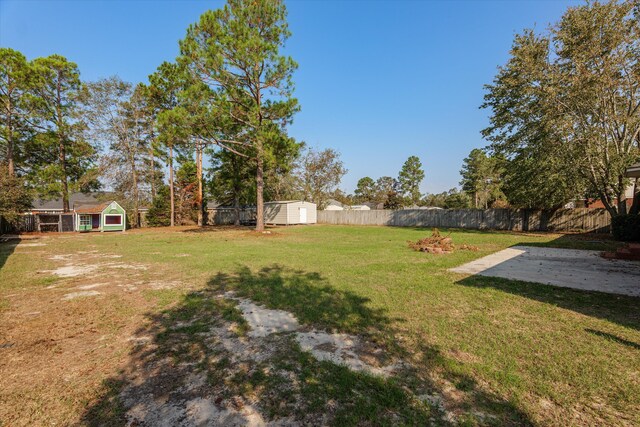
[
  {"x": 403, "y": 191},
  {"x": 391, "y": 193}
]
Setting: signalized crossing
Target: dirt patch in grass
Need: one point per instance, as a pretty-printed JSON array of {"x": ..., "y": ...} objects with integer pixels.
[
  {"x": 80, "y": 294},
  {"x": 267, "y": 233},
  {"x": 67, "y": 338}
]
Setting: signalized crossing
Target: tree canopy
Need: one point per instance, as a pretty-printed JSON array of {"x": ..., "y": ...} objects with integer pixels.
[
  {"x": 321, "y": 172},
  {"x": 565, "y": 109}
]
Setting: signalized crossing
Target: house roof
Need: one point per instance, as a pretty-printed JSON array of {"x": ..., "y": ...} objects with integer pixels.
[
  {"x": 333, "y": 202},
  {"x": 213, "y": 205},
  {"x": 92, "y": 209},
  {"x": 282, "y": 201},
  {"x": 75, "y": 199},
  {"x": 633, "y": 171},
  {"x": 424, "y": 208},
  {"x": 374, "y": 205}
]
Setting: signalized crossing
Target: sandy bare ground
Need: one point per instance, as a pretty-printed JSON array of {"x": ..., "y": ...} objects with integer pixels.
[
  {"x": 569, "y": 268},
  {"x": 341, "y": 349}
]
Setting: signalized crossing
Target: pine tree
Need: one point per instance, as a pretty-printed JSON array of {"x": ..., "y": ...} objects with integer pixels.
[
  {"x": 365, "y": 190},
  {"x": 16, "y": 81},
  {"x": 65, "y": 159},
  {"x": 159, "y": 214},
  {"x": 410, "y": 177},
  {"x": 236, "y": 50}
]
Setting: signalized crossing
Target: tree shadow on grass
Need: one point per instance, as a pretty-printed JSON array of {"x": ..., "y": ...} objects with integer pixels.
[
  {"x": 6, "y": 249},
  {"x": 620, "y": 309},
  {"x": 586, "y": 241},
  {"x": 308, "y": 296},
  {"x": 194, "y": 364},
  {"x": 614, "y": 338}
]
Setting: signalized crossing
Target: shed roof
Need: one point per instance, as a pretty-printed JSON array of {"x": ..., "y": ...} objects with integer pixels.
[{"x": 92, "y": 209}]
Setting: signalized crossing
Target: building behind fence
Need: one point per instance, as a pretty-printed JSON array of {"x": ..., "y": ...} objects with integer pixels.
[{"x": 561, "y": 220}]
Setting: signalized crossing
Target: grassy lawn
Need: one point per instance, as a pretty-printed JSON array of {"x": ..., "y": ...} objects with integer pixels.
[{"x": 492, "y": 351}]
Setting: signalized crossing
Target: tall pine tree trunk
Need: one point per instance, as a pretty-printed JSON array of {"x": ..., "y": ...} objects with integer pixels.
[
  {"x": 136, "y": 201},
  {"x": 236, "y": 209},
  {"x": 10, "y": 164},
  {"x": 65, "y": 184},
  {"x": 173, "y": 208},
  {"x": 237, "y": 188},
  {"x": 62, "y": 154},
  {"x": 62, "y": 157},
  {"x": 152, "y": 167},
  {"x": 259, "y": 189},
  {"x": 259, "y": 168},
  {"x": 199, "y": 173}
]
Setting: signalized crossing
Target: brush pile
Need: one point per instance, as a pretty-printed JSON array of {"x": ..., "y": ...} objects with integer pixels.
[{"x": 438, "y": 244}]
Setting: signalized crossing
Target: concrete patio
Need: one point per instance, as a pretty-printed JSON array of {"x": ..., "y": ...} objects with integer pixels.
[{"x": 570, "y": 268}]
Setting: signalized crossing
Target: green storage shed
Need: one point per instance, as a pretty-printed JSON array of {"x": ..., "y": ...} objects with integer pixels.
[{"x": 108, "y": 216}]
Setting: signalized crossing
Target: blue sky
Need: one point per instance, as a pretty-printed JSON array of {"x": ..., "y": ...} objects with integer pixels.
[{"x": 378, "y": 80}]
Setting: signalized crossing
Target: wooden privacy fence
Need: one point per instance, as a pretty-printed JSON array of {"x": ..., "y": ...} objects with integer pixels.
[
  {"x": 38, "y": 222},
  {"x": 21, "y": 224},
  {"x": 227, "y": 216},
  {"x": 581, "y": 219},
  {"x": 5, "y": 227}
]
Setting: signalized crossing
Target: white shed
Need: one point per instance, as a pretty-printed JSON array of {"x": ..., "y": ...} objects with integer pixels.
[{"x": 289, "y": 212}]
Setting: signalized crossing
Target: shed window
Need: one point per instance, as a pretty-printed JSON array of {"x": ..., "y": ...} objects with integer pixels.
[{"x": 113, "y": 219}]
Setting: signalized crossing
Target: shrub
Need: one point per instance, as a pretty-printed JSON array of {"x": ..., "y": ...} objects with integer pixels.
[
  {"x": 626, "y": 228},
  {"x": 159, "y": 214},
  {"x": 15, "y": 197}
]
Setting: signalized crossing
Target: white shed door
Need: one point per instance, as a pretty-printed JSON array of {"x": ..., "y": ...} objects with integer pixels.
[{"x": 303, "y": 215}]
